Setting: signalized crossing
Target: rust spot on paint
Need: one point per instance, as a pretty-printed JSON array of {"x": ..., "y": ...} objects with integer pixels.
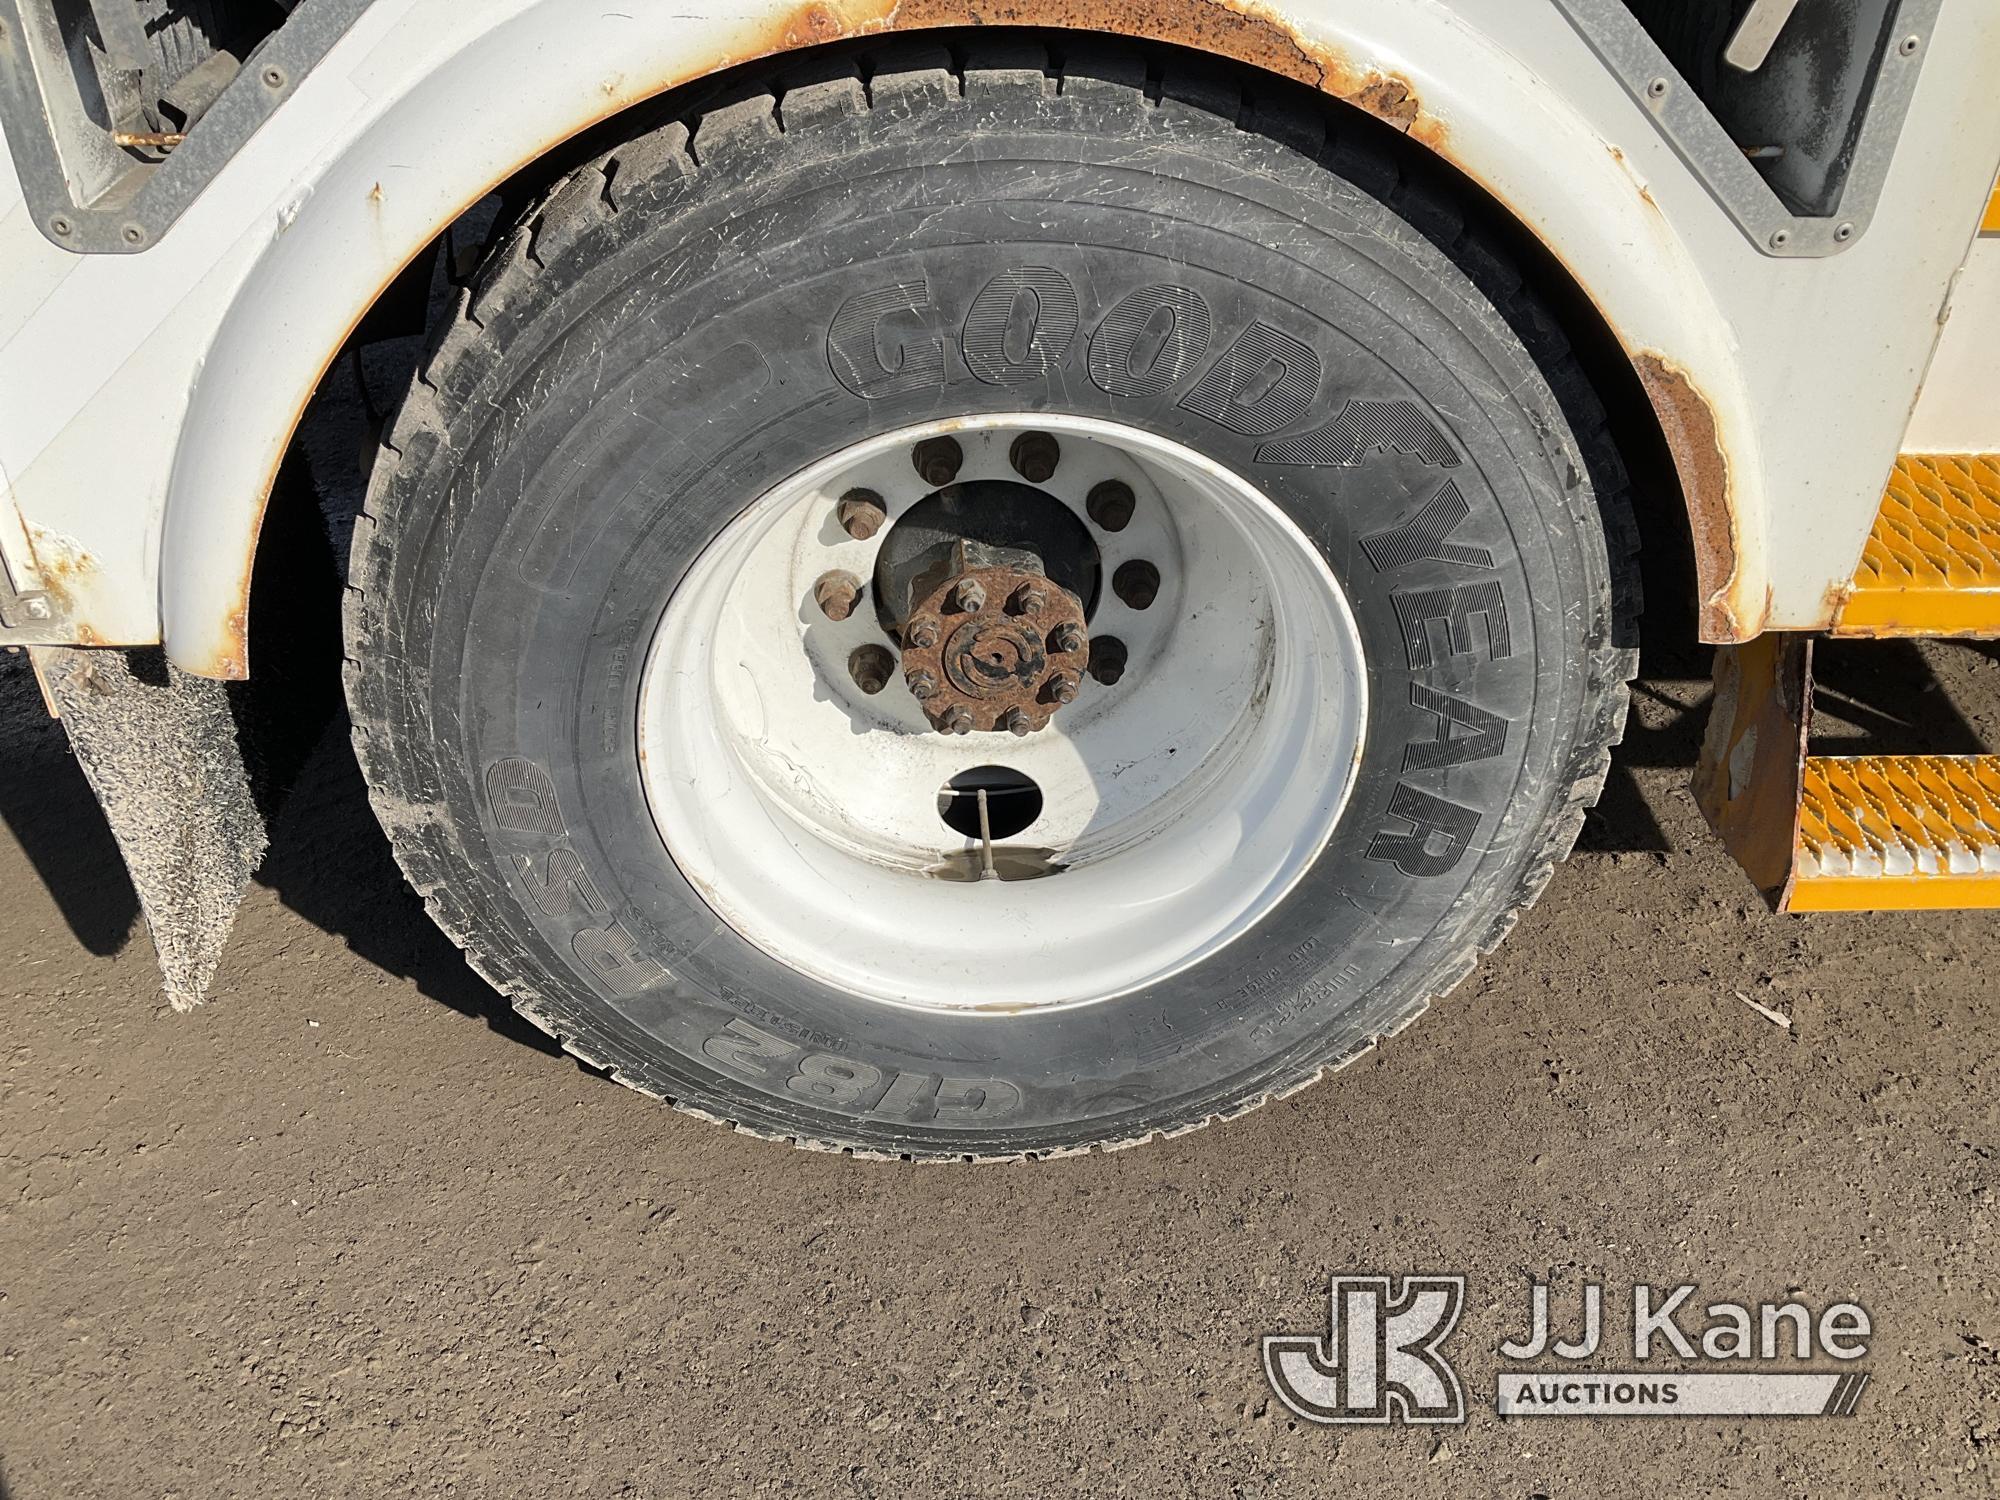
[
  {"x": 1688, "y": 424},
  {"x": 1389, "y": 98},
  {"x": 1246, "y": 33},
  {"x": 812, "y": 24},
  {"x": 1638, "y": 183},
  {"x": 61, "y": 564},
  {"x": 232, "y": 662}
]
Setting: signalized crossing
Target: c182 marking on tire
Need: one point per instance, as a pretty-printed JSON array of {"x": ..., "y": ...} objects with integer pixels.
[
  {"x": 859, "y": 1087},
  {"x": 522, "y": 797}
]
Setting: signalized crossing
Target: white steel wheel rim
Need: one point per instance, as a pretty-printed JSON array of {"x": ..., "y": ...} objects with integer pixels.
[{"x": 1181, "y": 804}]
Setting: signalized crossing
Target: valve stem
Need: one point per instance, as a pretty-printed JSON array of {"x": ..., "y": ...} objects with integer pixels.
[{"x": 986, "y": 870}]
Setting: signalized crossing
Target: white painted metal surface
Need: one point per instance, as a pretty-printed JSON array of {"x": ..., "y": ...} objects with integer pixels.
[
  {"x": 1959, "y": 410},
  {"x": 148, "y": 399},
  {"x": 1179, "y": 805}
]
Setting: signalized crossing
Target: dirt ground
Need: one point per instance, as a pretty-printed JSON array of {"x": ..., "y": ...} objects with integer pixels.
[{"x": 353, "y": 1230}]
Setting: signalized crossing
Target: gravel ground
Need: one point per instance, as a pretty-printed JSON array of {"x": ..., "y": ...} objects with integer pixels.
[{"x": 352, "y": 1229}]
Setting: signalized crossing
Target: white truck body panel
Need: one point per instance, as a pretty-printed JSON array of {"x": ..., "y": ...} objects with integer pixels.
[
  {"x": 1959, "y": 409},
  {"x": 149, "y": 398}
]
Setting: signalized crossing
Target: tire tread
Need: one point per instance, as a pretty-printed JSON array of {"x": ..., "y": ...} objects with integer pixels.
[{"x": 900, "y": 79}]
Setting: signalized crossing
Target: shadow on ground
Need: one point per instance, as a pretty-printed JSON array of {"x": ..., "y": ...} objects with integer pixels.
[{"x": 330, "y": 862}]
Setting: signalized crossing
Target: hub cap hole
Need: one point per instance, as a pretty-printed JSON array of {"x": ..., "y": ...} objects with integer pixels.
[{"x": 1013, "y": 801}]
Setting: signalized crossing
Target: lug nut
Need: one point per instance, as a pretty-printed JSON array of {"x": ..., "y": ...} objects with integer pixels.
[
  {"x": 1111, "y": 504},
  {"x": 861, "y": 514},
  {"x": 1060, "y": 688},
  {"x": 938, "y": 460},
  {"x": 1034, "y": 456},
  {"x": 836, "y": 594},
  {"x": 922, "y": 634},
  {"x": 1065, "y": 638},
  {"x": 968, "y": 598},
  {"x": 921, "y": 685},
  {"x": 1137, "y": 583},
  {"x": 1016, "y": 721},
  {"x": 1028, "y": 599},
  {"x": 870, "y": 667},
  {"x": 955, "y": 721},
  {"x": 1107, "y": 659}
]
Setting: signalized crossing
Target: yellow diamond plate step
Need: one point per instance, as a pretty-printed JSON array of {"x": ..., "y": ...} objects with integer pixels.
[
  {"x": 1897, "y": 832},
  {"x": 1932, "y": 563}
]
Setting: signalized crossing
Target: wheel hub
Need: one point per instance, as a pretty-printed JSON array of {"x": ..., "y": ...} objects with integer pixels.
[
  {"x": 994, "y": 645},
  {"x": 974, "y": 575}
]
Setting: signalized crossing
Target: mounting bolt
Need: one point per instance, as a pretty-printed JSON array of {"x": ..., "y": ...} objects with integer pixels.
[
  {"x": 1065, "y": 638},
  {"x": 1908, "y": 45},
  {"x": 968, "y": 598},
  {"x": 955, "y": 721},
  {"x": 938, "y": 460},
  {"x": 1107, "y": 659},
  {"x": 1657, "y": 89},
  {"x": 1034, "y": 456},
  {"x": 61, "y": 225},
  {"x": 861, "y": 514},
  {"x": 1028, "y": 599},
  {"x": 273, "y": 77},
  {"x": 133, "y": 234},
  {"x": 837, "y": 593},
  {"x": 1060, "y": 688},
  {"x": 1843, "y": 232},
  {"x": 1780, "y": 238},
  {"x": 922, "y": 685},
  {"x": 1017, "y": 721},
  {"x": 922, "y": 634},
  {"x": 870, "y": 667},
  {"x": 1111, "y": 504},
  {"x": 38, "y": 609},
  {"x": 1137, "y": 583}
]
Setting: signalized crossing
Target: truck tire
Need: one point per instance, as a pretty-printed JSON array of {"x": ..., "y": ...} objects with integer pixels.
[{"x": 1270, "y": 412}]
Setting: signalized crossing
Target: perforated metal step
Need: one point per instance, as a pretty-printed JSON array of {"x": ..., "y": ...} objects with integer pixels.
[
  {"x": 1932, "y": 563},
  {"x": 1897, "y": 832}
]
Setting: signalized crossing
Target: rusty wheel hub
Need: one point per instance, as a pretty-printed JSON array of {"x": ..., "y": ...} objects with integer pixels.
[
  {"x": 995, "y": 647},
  {"x": 830, "y": 707}
]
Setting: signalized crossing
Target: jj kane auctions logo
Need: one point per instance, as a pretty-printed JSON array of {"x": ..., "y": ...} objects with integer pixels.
[{"x": 1382, "y": 1357}]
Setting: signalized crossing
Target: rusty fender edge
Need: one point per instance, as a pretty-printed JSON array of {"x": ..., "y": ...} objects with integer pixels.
[
  {"x": 1687, "y": 422},
  {"x": 1245, "y": 33}
]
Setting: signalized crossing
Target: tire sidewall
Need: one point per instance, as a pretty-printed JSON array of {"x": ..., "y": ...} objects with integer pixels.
[{"x": 574, "y": 509}]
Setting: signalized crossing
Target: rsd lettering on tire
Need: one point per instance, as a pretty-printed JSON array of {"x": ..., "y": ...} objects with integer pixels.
[{"x": 888, "y": 238}]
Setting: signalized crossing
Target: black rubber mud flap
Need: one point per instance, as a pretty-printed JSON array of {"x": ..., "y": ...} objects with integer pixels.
[{"x": 160, "y": 750}]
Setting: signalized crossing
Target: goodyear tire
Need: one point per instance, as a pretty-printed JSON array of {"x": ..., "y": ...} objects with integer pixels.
[{"x": 899, "y": 243}]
